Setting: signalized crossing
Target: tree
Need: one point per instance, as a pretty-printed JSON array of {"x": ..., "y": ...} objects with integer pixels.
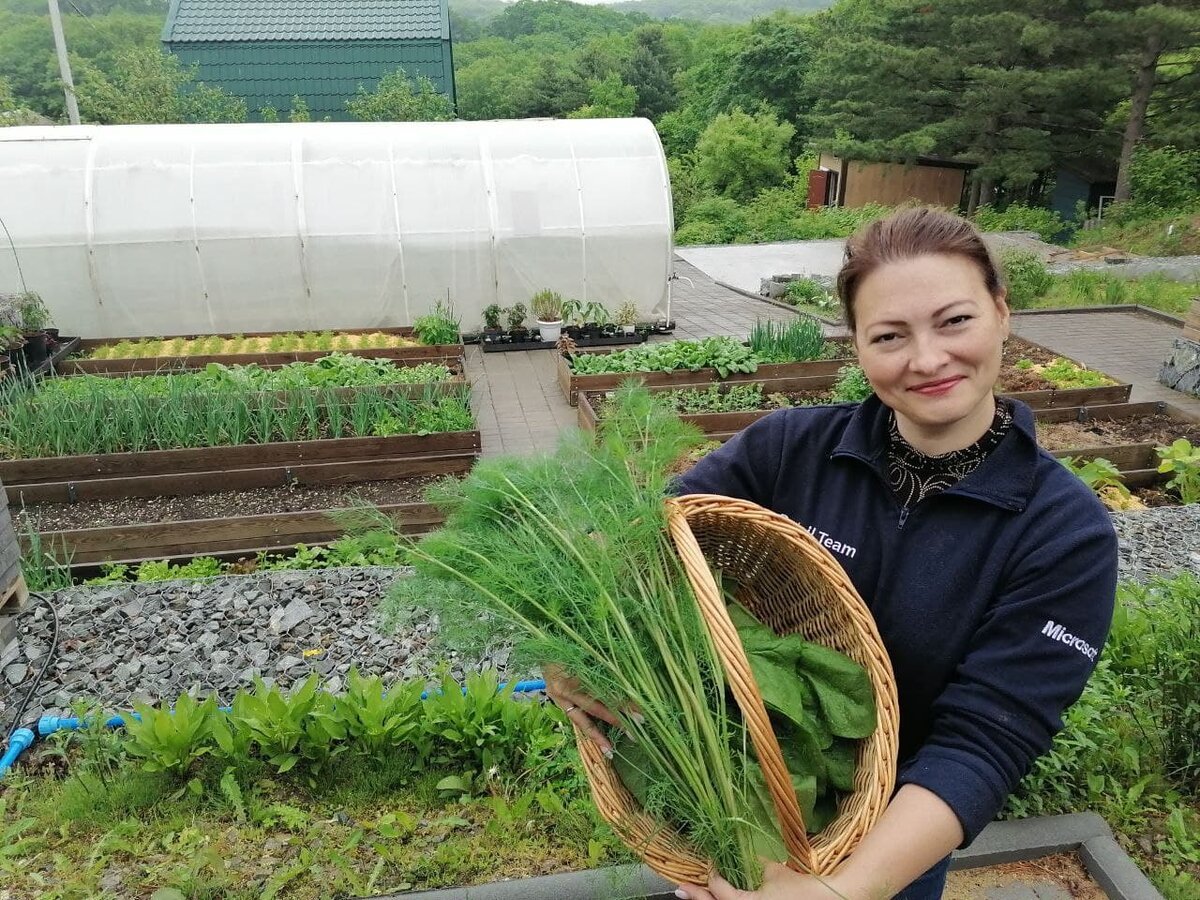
[
  {"x": 1014, "y": 86},
  {"x": 397, "y": 99},
  {"x": 149, "y": 86},
  {"x": 739, "y": 154},
  {"x": 649, "y": 72},
  {"x": 611, "y": 99},
  {"x": 771, "y": 67},
  {"x": 1153, "y": 38}
]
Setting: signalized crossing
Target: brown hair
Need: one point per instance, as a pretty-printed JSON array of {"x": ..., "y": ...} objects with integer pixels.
[{"x": 919, "y": 231}]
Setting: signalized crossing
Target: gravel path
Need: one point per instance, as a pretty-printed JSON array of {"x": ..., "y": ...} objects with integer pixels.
[{"x": 156, "y": 640}]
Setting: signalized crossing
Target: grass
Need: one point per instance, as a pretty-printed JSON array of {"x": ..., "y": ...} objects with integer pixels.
[
  {"x": 1165, "y": 234},
  {"x": 1088, "y": 288},
  {"x": 375, "y": 828},
  {"x": 215, "y": 345}
]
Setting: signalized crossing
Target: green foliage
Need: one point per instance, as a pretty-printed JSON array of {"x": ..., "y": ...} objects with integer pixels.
[
  {"x": 399, "y": 99},
  {"x": 379, "y": 721},
  {"x": 147, "y": 85},
  {"x": 724, "y": 218},
  {"x": 1165, "y": 178},
  {"x": 438, "y": 327},
  {"x": 800, "y": 340},
  {"x": 810, "y": 292},
  {"x": 299, "y": 111},
  {"x": 45, "y": 568},
  {"x": 1182, "y": 460},
  {"x": 284, "y": 729},
  {"x": 171, "y": 740},
  {"x": 1063, "y": 373},
  {"x": 1025, "y": 275},
  {"x": 1100, "y": 474},
  {"x": 1128, "y": 748},
  {"x": 1018, "y": 217},
  {"x": 224, "y": 406},
  {"x": 851, "y": 386},
  {"x": 547, "y": 306},
  {"x": 725, "y": 354},
  {"x": 610, "y": 97},
  {"x": 740, "y": 154}
]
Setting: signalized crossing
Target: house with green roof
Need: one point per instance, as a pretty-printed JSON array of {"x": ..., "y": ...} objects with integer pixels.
[{"x": 268, "y": 51}]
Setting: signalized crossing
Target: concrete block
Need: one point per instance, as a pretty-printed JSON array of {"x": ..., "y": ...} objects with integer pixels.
[
  {"x": 1115, "y": 872},
  {"x": 1003, "y": 842}
]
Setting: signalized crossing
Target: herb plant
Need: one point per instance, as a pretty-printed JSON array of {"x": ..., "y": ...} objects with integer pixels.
[
  {"x": 438, "y": 327},
  {"x": 851, "y": 386},
  {"x": 1182, "y": 460},
  {"x": 171, "y": 740},
  {"x": 547, "y": 306},
  {"x": 569, "y": 553},
  {"x": 797, "y": 341},
  {"x": 725, "y": 354}
]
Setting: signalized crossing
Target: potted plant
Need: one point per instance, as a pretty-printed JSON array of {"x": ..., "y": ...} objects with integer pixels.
[
  {"x": 627, "y": 316},
  {"x": 34, "y": 320},
  {"x": 548, "y": 309},
  {"x": 572, "y": 313},
  {"x": 10, "y": 339},
  {"x": 515, "y": 315},
  {"x": 595, "y": 317},
  {"x": 491, "y": 322}
]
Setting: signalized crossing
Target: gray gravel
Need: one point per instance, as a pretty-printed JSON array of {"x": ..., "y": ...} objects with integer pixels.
[
  {"x": 1173, "y": 268},
  {"x": 154, "y": 641},
  {"x": 1161, "y": 541}
]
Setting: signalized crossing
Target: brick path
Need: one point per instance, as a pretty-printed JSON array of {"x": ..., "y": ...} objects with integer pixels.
[
  {"x": 1126, "y": 345},
  {"x": 521, "y": 408}
]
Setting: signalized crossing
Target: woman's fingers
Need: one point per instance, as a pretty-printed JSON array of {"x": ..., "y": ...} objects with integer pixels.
[{"x": 718, "y": 889}]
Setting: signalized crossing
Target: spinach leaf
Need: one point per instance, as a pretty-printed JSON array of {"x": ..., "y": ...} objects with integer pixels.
[{"x": 843, "y": 690}]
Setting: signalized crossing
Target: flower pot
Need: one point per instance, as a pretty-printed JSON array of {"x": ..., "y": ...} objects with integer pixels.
[
  {"x": 550, "y": 331},
  {"x": 573, "y": 331},
  {"x": 492, "y": 335},
  {"x": 519, "y": 335},
  {"x": 629, "y": 329},
  {"x": 36, "y": 350},
  {"x": 52, "y": 334}
]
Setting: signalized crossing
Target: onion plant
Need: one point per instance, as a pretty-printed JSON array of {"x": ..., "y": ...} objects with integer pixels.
[
  {"x": 86, "y": 415},
  {"x": 571, "y": 552}
]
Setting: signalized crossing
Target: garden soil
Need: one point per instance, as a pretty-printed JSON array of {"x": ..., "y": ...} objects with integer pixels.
[
  {"x": 1059, "y": 877},
  {"x": 140, "y": 511},
  {"x": 1156, "y": 429}
]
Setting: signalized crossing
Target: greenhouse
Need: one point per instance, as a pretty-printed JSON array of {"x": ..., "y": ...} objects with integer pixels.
[{"x": 153, "y": 229}]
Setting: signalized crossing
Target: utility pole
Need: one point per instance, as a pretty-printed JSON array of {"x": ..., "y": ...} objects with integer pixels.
[{"x": 64, "y": 65}]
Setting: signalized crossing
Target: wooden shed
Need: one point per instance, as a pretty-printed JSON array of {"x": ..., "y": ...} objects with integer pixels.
[
  {"x": 269, "y": 51},
  {"x": 844, "y": 182}
]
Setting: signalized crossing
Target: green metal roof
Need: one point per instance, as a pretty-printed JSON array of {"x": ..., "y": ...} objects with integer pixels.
[{"x": 306, "y": 20}]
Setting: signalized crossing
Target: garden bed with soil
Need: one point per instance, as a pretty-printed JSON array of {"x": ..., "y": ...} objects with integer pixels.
[
  {"x": 140, "y": 355},
  {"x": 1021, "y": 376},
  {"x": 157, "y": 473}
]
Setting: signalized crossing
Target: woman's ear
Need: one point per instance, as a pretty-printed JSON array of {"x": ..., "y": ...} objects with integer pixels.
[{"x": 1003, "y": 312}]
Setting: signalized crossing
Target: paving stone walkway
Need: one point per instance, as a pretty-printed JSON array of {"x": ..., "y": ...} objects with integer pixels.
[{"x": 520, "y": 407}]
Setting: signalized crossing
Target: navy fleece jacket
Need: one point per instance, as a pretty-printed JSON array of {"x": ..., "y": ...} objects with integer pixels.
[{"x": 993, "y": 598}]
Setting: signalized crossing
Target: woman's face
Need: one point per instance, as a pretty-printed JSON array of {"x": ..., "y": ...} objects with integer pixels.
[{"x": 929, "y": 336}]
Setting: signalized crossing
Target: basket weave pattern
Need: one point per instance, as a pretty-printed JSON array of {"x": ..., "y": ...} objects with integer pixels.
[{"x": 793, "y": 585}]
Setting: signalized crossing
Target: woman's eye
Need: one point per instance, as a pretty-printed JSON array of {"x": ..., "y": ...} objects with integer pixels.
[
  {"x": 882, "y": 338},
  {"x": 957, "y": 320}
]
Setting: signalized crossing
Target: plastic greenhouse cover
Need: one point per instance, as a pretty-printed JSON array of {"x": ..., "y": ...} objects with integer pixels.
[{"x": 184, "y": 229}]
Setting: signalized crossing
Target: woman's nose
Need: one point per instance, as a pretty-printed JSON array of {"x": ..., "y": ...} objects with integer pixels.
[{"x": 928, "y": 355}]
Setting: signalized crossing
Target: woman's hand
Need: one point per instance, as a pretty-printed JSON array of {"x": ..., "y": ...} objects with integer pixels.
[
  {"x": 579, "y": 707},
  {"x": 779, "y": 883}
]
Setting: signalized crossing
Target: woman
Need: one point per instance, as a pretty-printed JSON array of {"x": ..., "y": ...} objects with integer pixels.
[{"x": 989, "y": 568}]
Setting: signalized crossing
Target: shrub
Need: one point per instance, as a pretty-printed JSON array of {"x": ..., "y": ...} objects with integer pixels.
[
  {"x": 700, "y": 233},
  {"x": 1017, "y": 217},
  {"x": 1165, "y": 178},
  {"x": 740, "y": 154},
  {"x": 1026, "y": 276},
  {"x": 727, "y": 216}
]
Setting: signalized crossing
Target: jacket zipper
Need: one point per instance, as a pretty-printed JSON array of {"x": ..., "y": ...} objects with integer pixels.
[{"x": 904, "y": 511}]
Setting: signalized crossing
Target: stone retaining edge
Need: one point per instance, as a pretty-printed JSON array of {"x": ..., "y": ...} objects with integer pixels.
[{"x": 1000, "y": 842}]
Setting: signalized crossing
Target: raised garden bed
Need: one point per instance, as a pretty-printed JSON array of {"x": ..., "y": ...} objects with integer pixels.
[
  {"x": 572, "y": 384},
  {"x": 1126, "y": 434},
  {"x": 1020, "y": 378},
  {"x": 412, "y": 350},
  {"x": 156, "y": 473},
  {"x": 130, "y": 530}
]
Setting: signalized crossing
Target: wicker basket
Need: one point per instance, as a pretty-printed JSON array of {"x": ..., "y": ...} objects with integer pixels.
[{"x": 792, "y": 584}]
